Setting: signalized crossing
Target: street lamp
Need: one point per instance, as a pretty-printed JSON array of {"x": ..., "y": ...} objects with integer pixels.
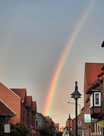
[
  {"x": 76, "y": 95},
  {"x": 69, "y": 123}
]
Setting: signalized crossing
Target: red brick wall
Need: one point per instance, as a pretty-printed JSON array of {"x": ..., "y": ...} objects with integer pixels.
[
  {"x": 67, "y": 123},
  {"x": 91, "y": 72}
]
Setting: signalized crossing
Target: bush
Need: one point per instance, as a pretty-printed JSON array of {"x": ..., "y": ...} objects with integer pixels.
[
  {"x": 1, "y": 127},
  {"x": 47, "y": 132},
  {"x": 18, "y": 130}
]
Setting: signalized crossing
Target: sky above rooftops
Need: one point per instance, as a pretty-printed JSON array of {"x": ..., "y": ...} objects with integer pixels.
[{"x": 33, "y": 35}]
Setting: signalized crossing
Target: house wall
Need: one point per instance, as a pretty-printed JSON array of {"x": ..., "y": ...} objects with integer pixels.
[{"x": 11, "y": 100}]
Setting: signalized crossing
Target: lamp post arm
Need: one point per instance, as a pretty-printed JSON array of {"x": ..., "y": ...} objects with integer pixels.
[{"x": 74, "y": 104}]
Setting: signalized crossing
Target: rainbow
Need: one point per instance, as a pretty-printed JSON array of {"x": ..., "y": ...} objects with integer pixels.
[{"x": 63, "y": 58}]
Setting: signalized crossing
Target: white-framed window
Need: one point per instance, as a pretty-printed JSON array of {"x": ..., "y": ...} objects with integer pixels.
[
  {"x": 91, "y": 100},
  {"x": 97, "y": 99}
]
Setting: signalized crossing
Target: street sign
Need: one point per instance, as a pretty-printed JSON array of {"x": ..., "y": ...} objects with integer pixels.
[
  {"x": 7, "y": 128},
  {"x": 87, "y": 118},
  {"x": 101, "y": 123}
]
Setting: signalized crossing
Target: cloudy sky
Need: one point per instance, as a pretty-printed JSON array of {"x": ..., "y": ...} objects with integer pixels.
[{"x": 33, "y": 35}]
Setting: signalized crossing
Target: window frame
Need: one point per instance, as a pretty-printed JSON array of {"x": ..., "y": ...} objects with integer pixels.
[{"x": 91, "y": 100}]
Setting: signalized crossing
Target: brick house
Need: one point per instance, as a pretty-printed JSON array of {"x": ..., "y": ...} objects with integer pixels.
[
  {"x": 22, "y": 94},
  {"x": 91, "y": 72},
  {"x": 91, "y": 85},
  {"x": 41, "y": 121},
  {"x": 19, "y": 107},
  {"x": 49, "y": 121},
  {"x": 28, "y": 109},
  {"x": 57, "y": 127},
  {"x": 95, "y": 97}
]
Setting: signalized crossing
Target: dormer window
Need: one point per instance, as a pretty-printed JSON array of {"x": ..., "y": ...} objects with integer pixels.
[{"x": 95, "y": 102}]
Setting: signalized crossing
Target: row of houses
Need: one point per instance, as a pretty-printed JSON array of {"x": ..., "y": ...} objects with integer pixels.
[
  {"x": 17, "y": 107},
  {"x": 91, "y": 117}
]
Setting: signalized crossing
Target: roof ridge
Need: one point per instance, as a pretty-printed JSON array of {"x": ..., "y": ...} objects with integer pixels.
[
  {"x": 17, "y": 88},
  {"x": 10, "y": 90}
]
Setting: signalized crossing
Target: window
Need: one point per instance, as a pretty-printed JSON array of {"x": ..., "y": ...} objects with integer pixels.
[
  {"x": 91, "y": 100},
  {"x": 97, "y": 99},
  {"x": 36, "y": 123}
]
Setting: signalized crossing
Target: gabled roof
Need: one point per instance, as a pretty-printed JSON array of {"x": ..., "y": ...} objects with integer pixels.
[
  {"x": 29, "y": 100},
  {"x": 4, "y": 88},
  {"x": 48, "y": 118},
  {"x": 5, "y": 110},
  {"x": 20, "y": 92},
  {"x": 34, "y": 106}
]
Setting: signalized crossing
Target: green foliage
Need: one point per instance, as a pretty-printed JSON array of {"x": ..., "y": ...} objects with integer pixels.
[
  {"x": 44, "y": 132},
  {"x": 1, "y": 127},
  {"x": 16, "y": 130},
  {"x": 47, "y": 131},
  {"x": 59, "y": 134}
]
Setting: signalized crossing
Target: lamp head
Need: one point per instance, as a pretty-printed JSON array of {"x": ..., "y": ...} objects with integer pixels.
[
  {"x": 76, "y": 93},
  {"x": 69, "y": 117}
]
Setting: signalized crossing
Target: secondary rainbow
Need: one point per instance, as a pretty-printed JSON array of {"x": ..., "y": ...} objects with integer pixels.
[{"x": 63, "y": 58}]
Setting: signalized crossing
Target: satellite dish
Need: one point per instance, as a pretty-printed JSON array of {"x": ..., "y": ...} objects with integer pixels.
[{"x": 102, "y": 44}]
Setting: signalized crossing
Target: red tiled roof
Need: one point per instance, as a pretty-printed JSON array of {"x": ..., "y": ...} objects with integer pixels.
[
  {"x": 5, "y": 110},
  {"x": 29, "y": 100},
  {"x": 56, "y": 125},
  {"x": 34, "y": 106},
  {"x": 91, "y": 72},
  {"x": 20, "y": 92}
]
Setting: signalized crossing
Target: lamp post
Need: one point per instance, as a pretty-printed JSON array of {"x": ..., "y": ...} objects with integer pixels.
[
  {"x": 76, "y": 95},
  {"x": 69, "y": 123}
]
